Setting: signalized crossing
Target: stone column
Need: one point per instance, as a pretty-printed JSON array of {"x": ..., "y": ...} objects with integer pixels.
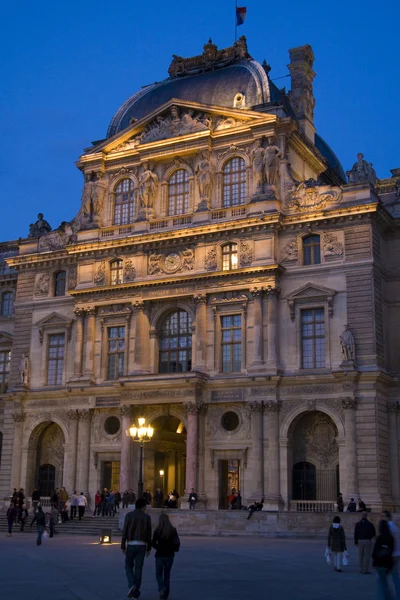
[
  {"x": 257, "y": 425},
  {"x": 201, "y": 332},
  {"x": 393, "y": 411},
  {"x": 90, "y": 339},
  {"x": 80, "y": 316},
  {"x": 141, "y": 344},
  {"x": 171, "y": 469},
  {"x": 83, "y": 456},
  {"x": 351, "y": 489},
  {"x": 70, "y": 457},
  {"x": 19, "y": 418},
  {"x": 126, "y": 442},
  {"x": 273, "y": 495},
  {"x": 192, "y": 410},
  {"x": 258, "y": 362},
  {"x": 272, "y": 323}
]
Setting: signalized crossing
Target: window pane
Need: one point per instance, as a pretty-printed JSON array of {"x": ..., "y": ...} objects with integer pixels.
[
  {"x": 311, "y": 250},
  {"x": 124, "y": 202},
  {"x": 7, "y": 304},
  {"x": 55, "y": 360},
  {"x": 234, "y": 182},
  {"x": 115, "y": 353},
  {"x": 175, "y": 342},
  {"x": 313, "y": 338},
  {"x": 59, "y": 283},
  {"x": 231, "y": 343},
  {"x": 178, "y": 192},
  {"x": 116, "y": 271}
]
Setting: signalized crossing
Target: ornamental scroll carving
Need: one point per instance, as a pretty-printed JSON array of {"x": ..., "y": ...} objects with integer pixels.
[
  {"x": 171, "y": 262},
  {"x": 100, "y": 274},
  {"x": 211, "y": 263},
  {"x": 246, "y": 254},
  {"x": 129, "y": 271},
  {"x": 309, "y": 196},
  {"x": 315, "y": 437},
  {"x": 332, "y": 246}
]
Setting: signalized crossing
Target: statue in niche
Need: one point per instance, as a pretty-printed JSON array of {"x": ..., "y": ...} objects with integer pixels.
[
  {"x": 347, "y": 345},
  {"x": 147, "y": 187},
  {"x": 92, "y": 202},
  {"x": 362, "y": 171},
  {"x": 24, "y": 370},
  {"x": 258, "y": 165},
  {"x": 39, "y": 228},
  {"x": 204, "y": 176},
  {"x": 272, "y": 154}
]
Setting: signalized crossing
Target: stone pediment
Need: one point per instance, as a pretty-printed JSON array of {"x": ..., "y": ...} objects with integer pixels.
[
  {"x": 179, "y": 118},
  {"x": 310, "y": 292},
  {"x": 54, "y": 321}
]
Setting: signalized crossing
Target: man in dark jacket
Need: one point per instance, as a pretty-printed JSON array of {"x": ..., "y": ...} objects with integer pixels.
[
  {"x": 35, "y": 499},
  {"x": 136, "y": 544},
  {"x": 352, "y": 506},
  {"x": 364, "y": 533}
]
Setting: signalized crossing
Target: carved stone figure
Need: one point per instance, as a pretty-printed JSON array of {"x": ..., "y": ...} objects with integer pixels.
[
  {"x": 246, "y": 254},
  {"x": 129, "y": 271},
  {"x": 331, "y": 245},
  {"x": 92, "y": 201},
  {"x": 99, "y": 193},
  {"x": 210, "y": 262},
  {"x": 39, "y": 228},
  {"x": 258, "y": 166},
  {"x": 42, "y": 285},
  {"x": 272, "y": 154},
  {"x": 361, "y": 171},
  {"x": 154, "y": 267},
  {"x": 59, "y": 238},
  {"x": 147, "y": 188},
  {"x": 72, "y": 278},
  {"x": 204, "y": 176},
  {"x": 290, "y": 252},
  {"x": 175, "y": 124},
  {"x": 347, "y": 345},
  {"x": 24, "y": 370},
  {"x": 308, "y": 195},
  {"x": 188, "y": 259},
  {"x": 100, "y": 275}
]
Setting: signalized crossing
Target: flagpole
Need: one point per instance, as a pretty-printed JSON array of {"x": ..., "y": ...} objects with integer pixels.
[{"x": 235, "y": 20}]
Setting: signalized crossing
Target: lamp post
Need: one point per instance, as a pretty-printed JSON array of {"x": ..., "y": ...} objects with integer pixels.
[{"x": 140, "y": 434}]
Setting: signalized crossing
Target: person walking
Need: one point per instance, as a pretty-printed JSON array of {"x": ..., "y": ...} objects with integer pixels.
[
  {"x": 11, "y": 516},
  {"x": 136, "y": 544},
  {"x": 82, "y": 504},
  {"x": 382, "y": 559},
  {"x": 104, "y": 502},
  {"x": 364, "y": 533},
  {"x": 394, "y": 530},
  {"x": 74, "y": 505},
  {"x": 337, "y": 543},
  {"x": 165, "y": 542},
  {"x": 35, "y": 499},
  {"x": 111, "y": 504},
  {"x": 118, "y": 499},
  {"x": 53, "y": 520},
  {"x": 131, "y": 497},
  {"x": 192, "y": 499},
  {"x": 23, "y": 515},
  {"x": 159, "y": 498},
  {"x": 125, "y": 499},
  {"x": 62, "y": 499},
  {"x": 40, "y": 519}
]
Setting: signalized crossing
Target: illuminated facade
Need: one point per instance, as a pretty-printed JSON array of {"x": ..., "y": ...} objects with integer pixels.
[{"x": 222, "y": 280}]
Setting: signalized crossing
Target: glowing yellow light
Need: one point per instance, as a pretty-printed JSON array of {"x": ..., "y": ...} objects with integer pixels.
[
  {"x": 132, "y": 431},
  {"x": 234, "y": 261},
  {"x": 150, "y": 432},
  {"x": 141, "y": 421},
  {"x": 161, "y": 473},
  {"x": 180, "y": 428}
]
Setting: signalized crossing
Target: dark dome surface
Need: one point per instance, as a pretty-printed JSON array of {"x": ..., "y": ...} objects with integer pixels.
[
  {"x": 330, "y": 156},
  {"x": 216, "y": 88}
]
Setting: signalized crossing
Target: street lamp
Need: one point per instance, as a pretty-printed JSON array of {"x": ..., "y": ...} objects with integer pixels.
[{"x": 141, "y": 435}]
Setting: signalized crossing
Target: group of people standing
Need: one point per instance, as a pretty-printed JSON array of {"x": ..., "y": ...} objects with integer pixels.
[
  {"x": 385, "y": 553},
  {"x": 352, "y": 505},
  {"x": 107, "y": 503}
]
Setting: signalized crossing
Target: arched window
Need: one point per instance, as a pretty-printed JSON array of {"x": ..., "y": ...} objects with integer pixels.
[
  {"x": 175, "y": 341},
  {"x": 178, "y": 192},
  {"x": 229, "y": 257},
  {"x": 124, "y": 202},
  {"x": 7, "y": 304},
  {"x": 116, "y": 272},
  {"x": 311, "y": 250},
  {"x": 59, "y": 283},
  {"x": 234, "y": 182}
]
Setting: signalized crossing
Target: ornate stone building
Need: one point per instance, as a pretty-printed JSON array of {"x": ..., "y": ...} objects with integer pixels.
[{"x": 223, "y": 280}]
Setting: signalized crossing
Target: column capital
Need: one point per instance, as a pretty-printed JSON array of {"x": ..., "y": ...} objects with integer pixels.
[
  {"x": 126, "y": 410},
  {"x": 72, "y": 415},
  {"x": 255, "y": 406},
  {"x": 200, "y": 298},
  {"x": 91, "y": 310},
  {"x": 84, "y": 415},
  {"x": 79, "y": 311},
  {"x": 393, "y": 406},
  {"x": 138, "y": 305},
  {"x": 271, "y": 406},
  {"x": 257, "y": 292},
  {"x": 272, "y": 291},
  {"x": 349, "y": 403},
  {"x": 19, "y": 417},
  {"x": 193, "y": 408}
]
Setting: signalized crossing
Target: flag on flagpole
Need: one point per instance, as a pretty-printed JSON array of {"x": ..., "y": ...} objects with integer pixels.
[{"x": 241, "y": 13}]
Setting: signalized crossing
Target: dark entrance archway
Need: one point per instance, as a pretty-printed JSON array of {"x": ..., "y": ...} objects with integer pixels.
[
  {"x": 47, "y": 479},
  {"x": 304, "y": 481}
]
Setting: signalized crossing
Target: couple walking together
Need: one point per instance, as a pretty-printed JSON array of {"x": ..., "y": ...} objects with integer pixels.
[{"x": 137, "y": 542}]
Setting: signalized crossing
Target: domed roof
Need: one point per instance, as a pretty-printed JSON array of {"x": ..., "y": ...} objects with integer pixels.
[{"x": 213, "y": 78}]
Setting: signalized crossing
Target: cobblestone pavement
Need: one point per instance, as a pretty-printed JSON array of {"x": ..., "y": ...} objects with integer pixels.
[{"x": 68, "y": 568}]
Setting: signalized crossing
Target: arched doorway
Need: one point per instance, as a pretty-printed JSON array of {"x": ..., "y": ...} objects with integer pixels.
[
  {"x": 314, "y": 458},
  {"x": 45, "y": 459},
  {"x": 165, "y": 456}
]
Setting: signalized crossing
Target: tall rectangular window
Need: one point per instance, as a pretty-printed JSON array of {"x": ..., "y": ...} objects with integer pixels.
[
  {"x": 55, "y": 359},
  {"x": 313, "y": 338},
  {"x": 231, "y": 343},
  {"x": 5, "y": 357},
  {"x": 115, "y": 352}
]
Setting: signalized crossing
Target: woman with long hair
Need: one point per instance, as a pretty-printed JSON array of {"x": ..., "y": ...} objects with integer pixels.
[
  {"x": 382, "y": 559},
  {"x": 166, "y": 542}
]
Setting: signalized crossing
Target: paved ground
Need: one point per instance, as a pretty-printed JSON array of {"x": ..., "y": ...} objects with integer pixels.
[{"x": 74, "y": 567}]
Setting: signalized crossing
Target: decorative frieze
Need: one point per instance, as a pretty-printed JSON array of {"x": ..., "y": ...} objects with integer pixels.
[
  {"x": 349, "y": 403},
  {"x": 193, "y": 408}
]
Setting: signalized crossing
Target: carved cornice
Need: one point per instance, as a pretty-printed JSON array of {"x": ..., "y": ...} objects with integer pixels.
[
  {"x": 200, "y": 299},
  {"x": 349, "y": 403}
]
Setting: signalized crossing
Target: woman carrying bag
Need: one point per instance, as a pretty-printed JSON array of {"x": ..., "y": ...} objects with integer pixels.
[
  {"x": 337, "y": 543},
  {"x": 166, "y": 542}
]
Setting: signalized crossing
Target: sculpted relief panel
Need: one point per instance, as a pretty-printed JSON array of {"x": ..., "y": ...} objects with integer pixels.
[
  {"x": 315, "y": 440},
  {"x": 215, "y": 430},
  {"x": 308, "y": 196},
  {"x": 166, "y": 263}
]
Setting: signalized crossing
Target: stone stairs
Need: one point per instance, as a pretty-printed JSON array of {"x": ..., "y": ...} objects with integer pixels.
[{"x": 88, "y": 526}]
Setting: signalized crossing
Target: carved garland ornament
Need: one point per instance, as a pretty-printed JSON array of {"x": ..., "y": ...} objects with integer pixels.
[{"x": 163, "y": 263}]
